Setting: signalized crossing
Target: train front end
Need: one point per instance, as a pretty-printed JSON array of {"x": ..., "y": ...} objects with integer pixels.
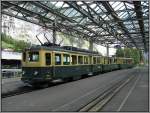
[{"x": 36, "y": 67}]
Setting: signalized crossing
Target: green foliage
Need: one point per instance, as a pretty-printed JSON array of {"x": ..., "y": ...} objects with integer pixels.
[
  {"x": 6, "y": 45},
  {"x": 119, "y": 53},
  {"x": 136, "y": 56},
  {"x": 130, "y": 53},
  {"x": 9, "y": 42}
]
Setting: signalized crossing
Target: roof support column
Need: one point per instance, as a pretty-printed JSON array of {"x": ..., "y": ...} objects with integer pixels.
[
  {"x": 145, "y": 57},
  {"x": 54, "y": 33},
  {"x": 91, "y": 45},
  {"x": 107, "y": 47}
]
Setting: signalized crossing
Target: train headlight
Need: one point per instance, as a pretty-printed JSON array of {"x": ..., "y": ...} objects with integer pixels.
[
  {"x": 23, "y": 72},
  {"x": 35, "y": 72}
]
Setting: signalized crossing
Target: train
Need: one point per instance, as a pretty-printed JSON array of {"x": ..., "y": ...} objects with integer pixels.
[{"x": 42, "y": 64}]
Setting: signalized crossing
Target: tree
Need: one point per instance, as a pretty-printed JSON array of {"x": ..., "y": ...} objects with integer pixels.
[
  {"x": 119, "y": 52},
  {"x": 9, "y": 42},
  {"x": 130, "y": 53}
]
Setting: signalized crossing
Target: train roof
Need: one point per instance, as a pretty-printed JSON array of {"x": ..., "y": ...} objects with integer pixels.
[
  {"x": 64, "y": 49},
  {"x": 70, "y": 50}
]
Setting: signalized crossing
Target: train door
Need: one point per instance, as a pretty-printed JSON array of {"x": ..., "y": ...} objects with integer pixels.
[
  {"x": 57, "y": 62},
  {"x": 48, "y": 64},
  {"x": 91, "y": 65}
]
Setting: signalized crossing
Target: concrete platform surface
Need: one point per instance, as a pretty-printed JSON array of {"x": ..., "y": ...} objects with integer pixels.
[
  {"x": 8, "y": 80},
  {"x": 11, "y": 84},
  {"x": 134, "y": 96},
  {"x": 65, "y": 97}
]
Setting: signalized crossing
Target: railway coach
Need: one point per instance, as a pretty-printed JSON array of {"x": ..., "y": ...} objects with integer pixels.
[{"x": 41, "y": 64}]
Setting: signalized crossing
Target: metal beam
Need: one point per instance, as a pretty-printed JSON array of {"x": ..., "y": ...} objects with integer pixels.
[
  {"x": 123, "y": 20},
  {"x": 68, "y": 25},
  {"x": 37, "y": 16},
  {"x": 97, "y": 23},
  {"x": 117, "y": 19},
  {"x": 139, "y": 14},
  {"x": 62, "y": 16},
  {"x": 67, "y": 32},
  {"x": 44, "y": 20},
  {"x": 124, "y": 33}
]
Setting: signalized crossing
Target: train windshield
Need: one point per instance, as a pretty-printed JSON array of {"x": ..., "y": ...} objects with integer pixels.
[{"x": 33, "y": 56}]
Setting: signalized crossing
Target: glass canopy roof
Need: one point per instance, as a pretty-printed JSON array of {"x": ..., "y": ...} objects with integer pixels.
[{"x": 124, "y": 23}]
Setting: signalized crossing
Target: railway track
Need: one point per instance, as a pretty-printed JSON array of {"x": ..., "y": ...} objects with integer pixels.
[{"x": 99, "y": 102}]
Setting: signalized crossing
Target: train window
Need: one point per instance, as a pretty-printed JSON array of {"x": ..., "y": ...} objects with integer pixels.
[
  {"x": 33, "y": 56},
  {"x": 24, "y": 56},
  {"x": 80, "y": 59},
  {"x": 124, "y": 61},
  {"x": 101, "y": 60},
  {"x": 48, "y": 59},
  {"x": 85, "y": 59},
  {"x": 105, "y": 60},
  {"x": 98, "y": 60},
  {"x": 66, "y": 59},
  {"x": 74, "y": 59},
  {"x": 94, "y": 60},
  {"x": 57, "y": 59}
]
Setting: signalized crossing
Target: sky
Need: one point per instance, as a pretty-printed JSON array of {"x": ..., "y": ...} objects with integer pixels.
[{"x": 103, "y": 50}]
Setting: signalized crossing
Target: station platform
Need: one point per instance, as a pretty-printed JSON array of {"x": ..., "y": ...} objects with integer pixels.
[
  {"x": 11, "y": 84},
  {"x": 72, "y": 95},
  {"x": 134, "y": 96}
]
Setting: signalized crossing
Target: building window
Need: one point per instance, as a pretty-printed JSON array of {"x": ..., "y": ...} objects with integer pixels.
[
  {"x": 80, "y": 59},
  {"x": 48, "y": 58},
  {"x": 66, "y": 59},
  {"x": 57, "y": 59},
  {"x": 33, "y": 56},
  {"x": 74, "y": 59},
  {"x": 85, "y": 59}
]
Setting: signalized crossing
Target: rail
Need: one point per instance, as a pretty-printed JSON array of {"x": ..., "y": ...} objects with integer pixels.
[{"x": 99, "y": 102}]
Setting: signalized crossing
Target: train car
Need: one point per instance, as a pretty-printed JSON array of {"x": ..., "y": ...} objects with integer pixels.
[
  {"x": 109, "y": 64},
  {"x": 113, "y": 63},
  {"x": 41, "y": 65},
  {"x": 124, "y": 63}
]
